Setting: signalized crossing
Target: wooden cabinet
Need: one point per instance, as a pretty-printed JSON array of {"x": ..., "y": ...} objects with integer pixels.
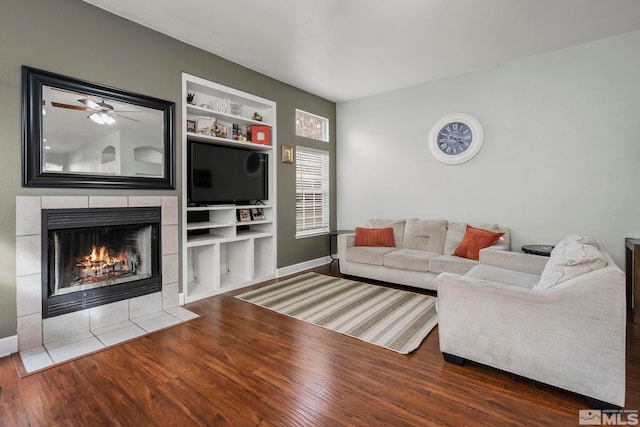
[
  {"x": 222, "y": 249},
  {"x": 632, "y": 269}
]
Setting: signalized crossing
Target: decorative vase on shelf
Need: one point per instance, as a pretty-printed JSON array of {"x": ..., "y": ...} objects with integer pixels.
[
  {"x": 236, "y": 109},
  {"x": 257, "y": 117},
  {"x": 191, "y": 98}
]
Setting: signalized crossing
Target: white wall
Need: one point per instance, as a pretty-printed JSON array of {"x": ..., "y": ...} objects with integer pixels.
[
  {"x": 88, "y": 157},
  {"x": 561, "y": 151}
]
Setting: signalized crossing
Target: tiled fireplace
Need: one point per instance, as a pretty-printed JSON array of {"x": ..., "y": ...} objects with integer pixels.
[{"x": 145, "y": 283}]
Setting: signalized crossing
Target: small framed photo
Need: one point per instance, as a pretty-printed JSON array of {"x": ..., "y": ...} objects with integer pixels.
[
  {"x": 191, "y": 126},
  {"x": 244, "y": 215},
  {"x": 257, "y": 214},
  {"x": 206, "y": 124},
  {"x": 287, "y": 154}
]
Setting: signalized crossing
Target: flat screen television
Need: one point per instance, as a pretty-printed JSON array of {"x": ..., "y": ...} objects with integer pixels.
[{"x": 222, "y": 174}]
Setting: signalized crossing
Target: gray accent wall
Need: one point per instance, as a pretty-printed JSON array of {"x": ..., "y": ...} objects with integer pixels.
[
  {"x": 561, "y": 152},
  {"x": 76, "y": 39}
]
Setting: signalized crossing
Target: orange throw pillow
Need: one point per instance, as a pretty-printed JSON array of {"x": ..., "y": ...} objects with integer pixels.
[
  {"x": 475, "y": 239},
  {"x": 375, "y": 237}
]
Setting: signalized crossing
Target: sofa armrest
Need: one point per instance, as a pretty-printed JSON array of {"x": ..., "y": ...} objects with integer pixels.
[
  {"x": 515, "y": 261},
  {"x": 566, "y": 336},
  {"x": 345, "y": 241}
]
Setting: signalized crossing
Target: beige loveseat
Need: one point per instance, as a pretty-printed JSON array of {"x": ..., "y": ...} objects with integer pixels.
[
  {"x": 423, "y": 249},
  {"x": 558, "y": 320}
]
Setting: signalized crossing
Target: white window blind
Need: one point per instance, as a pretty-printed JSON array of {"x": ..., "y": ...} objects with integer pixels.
[{"x": 312, "y": 192}]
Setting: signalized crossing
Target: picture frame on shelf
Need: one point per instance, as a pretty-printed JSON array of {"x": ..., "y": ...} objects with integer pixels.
[
  {"x": 206, "y": 124},
  {"x": 236, "y": 109},
  {"x": 191, "y": 126},
  {"x": 287, "y": 154},
  {"x": 244, "y": 215},
  {"x": 257, "y": 214}
]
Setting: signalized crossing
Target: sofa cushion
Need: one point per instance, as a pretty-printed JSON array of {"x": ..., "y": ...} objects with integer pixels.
[
  {"x": 396, "y": 224},
  {"x": 451, "y": 264},
  {"x": 475, "y": 239},
  {"x": 503, "y": 275},
  {"x": 455, "y": 233},
  {"x": 409, "y": 259},
  {"x": 368, "y": 254},
  {"x": 425, "y": 235},
  {"x": 568, "y": 260},
  {"x": 374, "y": 237}
]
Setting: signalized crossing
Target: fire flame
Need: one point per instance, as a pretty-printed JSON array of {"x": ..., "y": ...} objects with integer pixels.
[{"x": 99, "y": 259}]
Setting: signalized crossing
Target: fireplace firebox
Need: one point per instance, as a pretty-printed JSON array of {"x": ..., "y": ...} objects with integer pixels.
[{"x": 97, "y": 256}]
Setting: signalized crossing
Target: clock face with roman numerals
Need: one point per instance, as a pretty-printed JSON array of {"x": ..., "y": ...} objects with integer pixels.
[{"x": 456, "y": 138}]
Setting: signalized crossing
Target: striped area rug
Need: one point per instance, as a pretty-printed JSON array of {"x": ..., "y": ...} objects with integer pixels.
[{"x": 394, "y": 319}]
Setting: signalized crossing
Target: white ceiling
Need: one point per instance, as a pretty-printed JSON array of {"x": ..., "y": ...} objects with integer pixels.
[{"x": 348, "y": 49}]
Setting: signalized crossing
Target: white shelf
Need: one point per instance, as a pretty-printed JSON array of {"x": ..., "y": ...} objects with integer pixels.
[
  {"x": 210, "y": 239},
  {"x": 204, "y": 240},
  {"x": 210, "y": 208},
  {"x": 207, "y": 225},
  {"x": 239, "y": 223},
  {"x": 194, "y": 110},
  {"x": 219, "y": 252},
  {"x": 245, "y": 234},
  {"x": 199, "y": 290},
  {"x": 228, "y": 142},
  {"x": 206, "y": 90},
  {"x": 229, "y": 280},
  {"x": 225, "y": 207}
]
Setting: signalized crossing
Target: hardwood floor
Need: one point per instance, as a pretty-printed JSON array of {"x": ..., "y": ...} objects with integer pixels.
[{"x": 243, "y": 365}]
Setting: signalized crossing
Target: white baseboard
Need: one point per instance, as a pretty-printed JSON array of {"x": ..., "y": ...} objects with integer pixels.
[
  {"x": 181, "y": 298},
  {"x": 8, "y": 345},
  {"x": 296, "y": 268}
]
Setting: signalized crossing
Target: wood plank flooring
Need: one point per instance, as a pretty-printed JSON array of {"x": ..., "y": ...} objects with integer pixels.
[{"x": 243, "y": 365}]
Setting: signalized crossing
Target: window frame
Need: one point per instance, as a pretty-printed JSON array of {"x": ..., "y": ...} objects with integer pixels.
[
  {"x": 324, "y": 192},
  {"x": 324, "y": 120}
]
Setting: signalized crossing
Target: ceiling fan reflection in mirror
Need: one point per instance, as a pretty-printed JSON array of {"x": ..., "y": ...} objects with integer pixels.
[{"x": 101, "y": 112}]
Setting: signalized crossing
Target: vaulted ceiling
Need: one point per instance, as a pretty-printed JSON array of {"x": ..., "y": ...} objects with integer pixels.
[{"x": 348, "y": 49}]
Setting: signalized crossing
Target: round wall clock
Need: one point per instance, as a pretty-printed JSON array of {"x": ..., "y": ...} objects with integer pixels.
[{"x": 456, "y": 138}]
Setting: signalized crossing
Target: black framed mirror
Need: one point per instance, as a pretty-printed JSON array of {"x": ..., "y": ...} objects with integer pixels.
[{"x": 81, "y": 134}]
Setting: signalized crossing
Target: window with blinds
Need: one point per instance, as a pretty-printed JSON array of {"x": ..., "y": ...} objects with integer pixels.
[{"x": 312, "y": 192}]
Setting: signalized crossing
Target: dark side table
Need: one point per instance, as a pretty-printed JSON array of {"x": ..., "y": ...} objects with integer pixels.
[
  {"x": 332, "y": 234},
  {"x": 544, "y": 250}
]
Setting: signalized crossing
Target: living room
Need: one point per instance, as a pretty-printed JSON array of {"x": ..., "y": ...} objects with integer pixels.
[{"x": 560, "y": 151}]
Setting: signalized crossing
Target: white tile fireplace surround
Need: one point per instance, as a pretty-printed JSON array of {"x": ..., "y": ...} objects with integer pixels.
[{"x": 44, "y": 342}]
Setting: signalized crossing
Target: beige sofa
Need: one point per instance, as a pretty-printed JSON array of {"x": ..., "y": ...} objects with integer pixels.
[
  {"x": 558, "y": 320},
  {"x": 423, "y": 249}
]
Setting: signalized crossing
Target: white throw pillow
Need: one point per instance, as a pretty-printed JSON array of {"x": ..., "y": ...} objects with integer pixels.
[
  {"x": 579, "y": 238},
  {"x": 568, "y": 260},
  {"x": 455, "y": 233}
]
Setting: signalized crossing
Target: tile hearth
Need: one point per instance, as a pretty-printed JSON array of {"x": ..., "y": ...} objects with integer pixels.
[{"x": 50, "y": 354}]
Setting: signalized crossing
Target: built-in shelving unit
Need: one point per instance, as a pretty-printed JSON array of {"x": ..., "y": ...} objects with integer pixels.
[{"x": 222, "y": 249}]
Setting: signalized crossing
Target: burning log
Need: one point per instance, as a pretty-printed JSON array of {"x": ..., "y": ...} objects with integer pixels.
[{"x": 99, "y": 263}]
